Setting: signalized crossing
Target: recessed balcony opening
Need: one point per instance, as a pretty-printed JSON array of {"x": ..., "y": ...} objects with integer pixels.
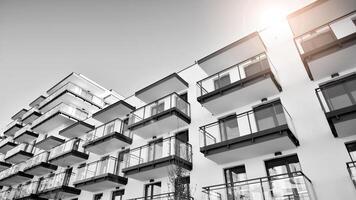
[
  {"x": 58, "y": 186},
  {"x": 61, "y": 115},
  {"x": 120, "y": 109},
  {"x": 69, "y": 153},
  {"x": 14, "y": 175},
  {"x": 108, "y": 137},
  {"x": 284, "y": 186},
  {"x": 13, "y": 127},
  {"x": 77, "y": 129},
  {"x": 157, "y": 158},
  {"x": 326, "y": 43},
  {"x": 266, "y": 129},
  {"x": 18, "y": 115},
  {"x": 6, "y": 145},
  {"x": 27, "y": 191},
  {"x": 39, "y": 165},
  {"x": 25, "y": 135},
  {"x": 238, "y": 85},
  {"x": 100, "y": 175},
  {"x": 19, "y": 154},
  {"x": 31, "y": 115},
  {"x": 338, "y": 101},
  {"x": 49, "y": 142},
  {"x": 161, "y": 116}
]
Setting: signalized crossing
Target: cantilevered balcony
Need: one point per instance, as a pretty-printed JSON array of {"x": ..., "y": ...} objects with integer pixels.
[
  {"x": 58, "y": 186},
  {"x": 248, "y": 81},
  {"x": 14, "y": 175},
  {"x": 69, "y": 153},
  {"x": 4, "y": 165},
  {"x": 20, "y": 153},
  {"x": 100, "y": 175},
  {"x": 351, "y": 167},
  {"x": 13, "y": 127},
  {"x": 338, "y": 100},
  {"x": 325, "y": 35},
  {"x": 18, "y": 116},
  {"x": 266, "y": 129},
  {"x": 27, "y": 191},
  {"x": 77, "y": 129},
  {"x": 31, "y": 115},
  {"x": 166, "y": 114},
  {"x": 38, "y": 165},
  {"x": 155, "y": 159},
  {"x": 25, "y": 135},
  {"x": 48, "y": 142},
  {"x": 61, "y": 115},
  {"x": 119, "y": 109},
  {"x": 72, "y": 94},
  {"x": 108, "y": 138},
  {"x": 164, "y": 196},
  {"x": 7, "y": 144},
  {"x": 280, "y": 187}
]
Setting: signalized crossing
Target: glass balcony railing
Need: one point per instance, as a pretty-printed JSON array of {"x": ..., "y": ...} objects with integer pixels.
[
  {"x": 54, "y": 181},
  {"x": 326, "y": 34},
  {"x": 163, "y": 104},
  {"x": 280, "y": 187},
  {"x": 63, "y": 108},
  {"x": 30, "y": 112},
  {"x": 21, "y": 147},
  {"x": 12, "y": 124},
  {"x": 36, "y": 160},
  {"x": 106, "y": 165},
  {"x": 161, "y": 148},
  {"x": 164, "y": 196},
  {"x": 233, "y": 74},
  {"x": 76, "y": 90},
  {"x": 247, "y": 123},
  {"x": 26, "y": 190},
  {"x": 113, "y": 126},
  {"x": 12, "y": 170},
  {"x": 70, "y": 145},
  {"x": 351, "y": 167}
]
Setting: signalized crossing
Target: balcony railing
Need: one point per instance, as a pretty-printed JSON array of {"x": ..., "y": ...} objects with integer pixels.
[
  {"x": 171, "y": 101},
  {"x": 70, "y": 145},
  {"x": 233, "y": 74},
  {"x": 351, "y": 167},
  {"x": 157, "y": 150},
  {"x": 164, "y": 196},
  {"x": 76, "y": 90},
  {"x": 6, "y": 140},
  {"x": 280, "y": 187},
  {"x": 12, "y": 124},
  {"x": 113, "y": 126},
  {"x": 244, "y": 124},
  {"x": 36, "y": 160},
  {"x": 22, "y": 147},
  {"x": 12, "y": 170},
  {"x": 54, "y": 181},
  {"x": 26, "y": 190},
  {"x": 103, "y": 166},
  {"x": 326, "y": 34}
]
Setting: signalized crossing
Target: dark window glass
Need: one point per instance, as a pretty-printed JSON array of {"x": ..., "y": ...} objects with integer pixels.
[
  {"x": 152, "y": 189},
  {"x": 233, "y": 175},
  {"x": 269, "y": 116},
  {"x": 182, "y": 186},
  {"x": 228, "y": 128},
  {"x": 183, "y": 136},
  {"x": 224, "y": 80},
  {"x": 351, "y": 148},
  {"x": 157, "y": 108},
  {"x": 98, "y": 196},
  {"x": 340, "y": 95},
  {"x": 118, "y": 194}
]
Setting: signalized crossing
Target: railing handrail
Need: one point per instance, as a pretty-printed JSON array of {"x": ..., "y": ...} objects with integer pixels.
[
  {"x": 168, "y": 194},
  {"x": 97, "y": 161},
  {"x": 103, "y": 125}
]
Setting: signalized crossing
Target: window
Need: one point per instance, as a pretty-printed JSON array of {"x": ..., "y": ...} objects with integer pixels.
[
  {"x": 98, "y": 196},
  {"x": 155, "y": 149},
  {"x": 269, "y": 116},
  {"x": 182, "y": 186},
  {"x": 181, "y": 103},
  {"x": 351, "y": 148},
  {"x": 152, "y": 189},
  {"x": 224, "y": 80},
  {"x": 157, "y": 108},
  {"x": 117, "y": 194},
  {"x": 228, "y": 127},
  {"x": 233, "y": 175}
]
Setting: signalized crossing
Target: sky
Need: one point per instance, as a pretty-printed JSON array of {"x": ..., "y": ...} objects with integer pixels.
[{"x": 122, "y": 45}]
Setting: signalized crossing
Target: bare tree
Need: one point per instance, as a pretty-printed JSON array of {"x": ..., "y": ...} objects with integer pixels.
[{"x": 177, "y": 177}]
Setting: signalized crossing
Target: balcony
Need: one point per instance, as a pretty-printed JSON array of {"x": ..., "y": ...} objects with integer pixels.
[
  {"x": 7, "y": 144},
  {"x": 4, "y": 165},
  {"x": 108, "y": 138},
  {"x": 155, "y": 159},
  {"x": 37, "y": 101},
  {"x": 25, "y": 135},
  {"x": 39, "y": 165},
  {"x": 351, "y": 168},
  {"x": 326, "y": 42},
  {"x": 338, "y": 101},
  {"x": 248, "y": 81},
  {"x": 69, "y": 153},
  {"x": 27, "y": 191},
  {"x": 14, "y": 175},
  {"x": 164, "y": 196},
  {"x": 120, "y": 109},
  {"x": 49, "y": 142},
  {"x": 31, "y": 115},
  {"x": 72, "y": 94},
  {"x": 266, "y": 129},
  {"x": 59, "y": 116},
  {"x": 57, "y": 186},
  {"x": 13, "y": 127},
  {"x": 100, "y": 175},
  {"x": 77, "y": 129},
  {"x": 285, "y": 186},
  {"x": 161, "y": 116},
  {"x": 20, "y": 153}
]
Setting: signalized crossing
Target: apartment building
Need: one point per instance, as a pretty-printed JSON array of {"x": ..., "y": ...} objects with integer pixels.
[{"x": 248, "y": 121}]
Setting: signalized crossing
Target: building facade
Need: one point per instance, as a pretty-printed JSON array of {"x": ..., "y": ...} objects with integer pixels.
[{"x": 242, "y": 123}]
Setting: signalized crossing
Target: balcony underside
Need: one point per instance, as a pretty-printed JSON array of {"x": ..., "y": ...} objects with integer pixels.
[
  {"x": 117, "y": 110},
  {"x": 52, "y": 122},
  {"x": 70, "y": 98},
  {"x": 342, "y": 122},
  {"x": 7, "y": 147},
  {"x": 69, "y": 158},
  {"x": 101, "y": 182},
  {"x": 160, "y": 123},
  {"x": 241, "y": 93},
  {"x": 13, "y": 129},
  {"x": 41, "y": 169},
  {"x": 49, "y": 143},
  {"x": 61, "y": 192},
  {"x": 76, "y": 130},
  {"x": 156, "y": 169},
  {"x": 18, "y": 157},
  {"x": 31, "y": 117},
  {"x": 15, "y": 179},
  {"x": 335, "y": 57},
  {"x": 253, "y": 145},
  {"x": 4, "y": 166},
  {"x": 107, "y": 144},
  {"x": 31, "y": 197},
  {"x": 26, "y": 137}
]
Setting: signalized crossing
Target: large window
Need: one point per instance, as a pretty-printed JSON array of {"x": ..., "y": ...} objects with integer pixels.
[
  {"x": 340, "y": 95},
  {"x": 222, "y": 81},
  {"x": 269, "y": 116},
  {"x": 117, "y": 194},
  {"x": 351, "y": 148},
  {"x": 155, "y": 149},
  {"x": 232, "y": 176},
  {"x": 228, "y": 128},
  {"x": 98, "y": 196},
  {"x": 152, "y": 189}
]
